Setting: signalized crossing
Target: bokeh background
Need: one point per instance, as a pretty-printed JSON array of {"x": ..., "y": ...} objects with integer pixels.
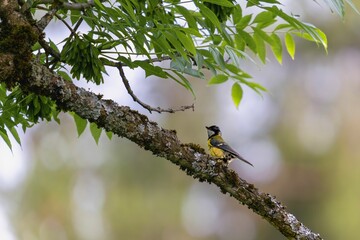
[{"x": 303, "y": 138}]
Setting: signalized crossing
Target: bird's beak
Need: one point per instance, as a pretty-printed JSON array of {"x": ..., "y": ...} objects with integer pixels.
[{"x": 207, "y": 127}]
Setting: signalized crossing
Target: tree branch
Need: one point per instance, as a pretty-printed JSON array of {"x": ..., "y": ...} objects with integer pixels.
[
  {"x": 70, "y": 6},
  {"x": 78, "y": 6},
  {"x": 144, "y": 105},
  {"x": 110, "y": 63},
  {"x": 130, "y": 124},
  {"x": 45, "y": 20}
]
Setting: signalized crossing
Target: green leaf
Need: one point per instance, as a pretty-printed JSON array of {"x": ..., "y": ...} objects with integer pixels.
[
  {"x": 180, "y": 64},
  {"x": 53, "y": 46},
  {"x": 163, "y": 47},
  {"x": 95, "y": 132},
  {"x": 99, "y": 5},
  {"x": 64, "y": 75},
  {"x": 210, "y": 15},
  {"x": 217, "y": 79},
  {"x": 188, "y": 17},
  {"x": 36, "y": 46},
  {"x": 264, "y": 17},
  {"x": 226, "y": 36},
  {"x": 199, "y": 59},
  {"x": 308, "y": 31},
  {"x": 130, "y": 11},
  {"x": 282, "y": 26},
  {"x": 187, "y": 42},
  {"x": 151, "y": 69},
  {"x": 323, "y": 38},
  {"x": 260, "y": 47},
  {"x": 233, "y": 56},
  {"x": 74, "y": 16},
  {"x": 276, "y": 47},
  {"x": 239, "y": 42},
  {"x": 248, "y": 40},
  {"x": 224, "y": 3},
  {"x": 5, "y": 137},
  {"x": 232, "y": 68},
  {"x": 237, "y": 14},
  {"x": 209, "y": 65},
  {"x": 80, "y": 124},
  {"x": 15, "y": 135},
  {"x": 263, "y": 35},
  {"x": 246, "y": 56},
  {"x": 216, "y": 38},
  {"x": 37, "y": 105},
  {"x": 206, "y": 53},
  {"x": 236, "y": 94},
  {"x": 290, "y": 45},
  {"x": 192, "y": 31},
  {"x": 337, "y": 6},
  {"x": 317, "y": 36},
  {"x": 244, "y": 22},
  {"x": 258, "y": 88},
  {"x": 126, "y": 61},
  {"x": 174, "y": 40},
  {"x": 218, "y": 57},
  {"x": 194, "y": 72},
  {"x": 109, "y": 135}
]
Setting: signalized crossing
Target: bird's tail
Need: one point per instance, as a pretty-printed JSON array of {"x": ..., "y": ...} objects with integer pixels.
[{"x": 242, "y": 159}]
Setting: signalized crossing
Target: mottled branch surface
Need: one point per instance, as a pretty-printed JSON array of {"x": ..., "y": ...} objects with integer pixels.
[{"x": 18, "y": 68}]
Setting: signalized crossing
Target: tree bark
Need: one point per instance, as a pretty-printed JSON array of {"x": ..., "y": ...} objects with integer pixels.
[{"x": 19, "y": 68}]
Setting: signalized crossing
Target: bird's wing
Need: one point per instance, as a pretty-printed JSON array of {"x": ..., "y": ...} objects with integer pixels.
[{"x": 225, "y": 147}]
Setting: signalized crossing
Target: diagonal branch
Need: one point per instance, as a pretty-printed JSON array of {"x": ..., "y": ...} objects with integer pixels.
[
  {"x": 78, "y": 6},
  {"x": 70, "y": 6},
  {"x": 130, "y": 124},
  {"x": 45, "y": 20},
  {"x": 144, "y": 105}
]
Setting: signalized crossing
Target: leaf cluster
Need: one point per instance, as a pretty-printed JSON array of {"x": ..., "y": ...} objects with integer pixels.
[
  {"x": 18, "y": 108},
  {"x": 81, "y": 125},
  {"x": 196, "y": 37},
  {"x": 209, "y": 36},
  {"x": 90, "y": 66},
  {"x": 222, "y": 9}
]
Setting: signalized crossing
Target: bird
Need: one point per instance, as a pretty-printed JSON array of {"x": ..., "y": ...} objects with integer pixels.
[{"x": 219, "y": 148}]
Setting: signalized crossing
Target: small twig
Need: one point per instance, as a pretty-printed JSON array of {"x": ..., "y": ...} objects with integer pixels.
[
  {"x": 144, "y": 105},
  {"x": 42, "y": 21},
  {"x": 45, "y": 20},
  {"x": 78, "y": 6},
  {"x": 110, "y": 63},
  {"x": 164, "y": 58},
  {"x": 48, "y": 49},
  {"x": 73, "y": 31},
  {"x": 69, "y": 6}
]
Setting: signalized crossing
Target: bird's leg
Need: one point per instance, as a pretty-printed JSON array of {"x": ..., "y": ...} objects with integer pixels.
[
  {"x": 219, "y": 160},
  {"x": 227, "y": 159}
]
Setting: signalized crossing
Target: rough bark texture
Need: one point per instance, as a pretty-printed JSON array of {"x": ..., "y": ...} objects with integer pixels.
[{"x": 18, "y": 67}]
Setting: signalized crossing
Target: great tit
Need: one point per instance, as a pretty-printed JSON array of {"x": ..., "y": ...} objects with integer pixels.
[{"x": 219, "y": 148}]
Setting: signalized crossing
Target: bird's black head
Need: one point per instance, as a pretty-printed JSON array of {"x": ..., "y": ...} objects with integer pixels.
[{"x": 213, "y": 130}]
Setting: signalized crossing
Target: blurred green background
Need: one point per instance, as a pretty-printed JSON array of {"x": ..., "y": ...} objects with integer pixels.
[{"x": 303, "y": 138}]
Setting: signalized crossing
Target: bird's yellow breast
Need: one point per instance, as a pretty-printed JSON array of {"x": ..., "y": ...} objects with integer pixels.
[{"x": 215, "y": 152}]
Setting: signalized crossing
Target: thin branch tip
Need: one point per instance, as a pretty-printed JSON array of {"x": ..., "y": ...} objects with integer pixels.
[{"x": 144, "y": 105}]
